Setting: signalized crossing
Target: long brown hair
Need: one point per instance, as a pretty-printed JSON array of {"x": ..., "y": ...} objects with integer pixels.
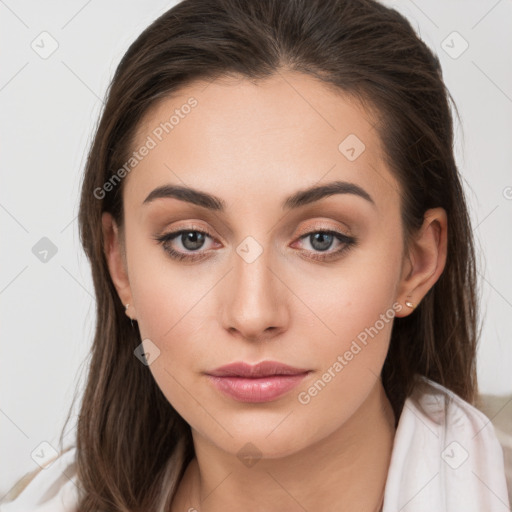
[{"x": 131, "y": 443}]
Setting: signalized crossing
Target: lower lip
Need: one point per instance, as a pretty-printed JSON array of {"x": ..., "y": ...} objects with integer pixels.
[{"x": 261, "y": 389}]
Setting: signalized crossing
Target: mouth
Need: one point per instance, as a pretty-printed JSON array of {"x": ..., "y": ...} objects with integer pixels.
[{"x": 263, "y": 382}]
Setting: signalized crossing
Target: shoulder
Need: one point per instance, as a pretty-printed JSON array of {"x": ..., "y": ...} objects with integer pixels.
[
  {"x": 446, "y": 455},
  {"x": 444, "y": 410},
  {"x": 51, "y": 488}
]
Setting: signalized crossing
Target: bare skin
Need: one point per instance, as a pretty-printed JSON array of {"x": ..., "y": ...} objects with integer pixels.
[{"x": 253, "y": 145}]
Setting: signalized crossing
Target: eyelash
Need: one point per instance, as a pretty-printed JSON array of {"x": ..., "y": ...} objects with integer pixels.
[{"x": 349, "y": 242}]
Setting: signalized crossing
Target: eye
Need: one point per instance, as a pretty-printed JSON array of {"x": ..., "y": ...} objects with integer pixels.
[
  {"x": 322, "y": 240},
  {"x": 193, "y": 240},
  {"x": 189, "y": 239}
]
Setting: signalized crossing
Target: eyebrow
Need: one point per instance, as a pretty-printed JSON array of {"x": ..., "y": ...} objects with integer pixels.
[{"x": 298, "y": 199}]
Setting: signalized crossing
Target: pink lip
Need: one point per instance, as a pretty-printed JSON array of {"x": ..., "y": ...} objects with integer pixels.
[{"x": 262, "y": 382}]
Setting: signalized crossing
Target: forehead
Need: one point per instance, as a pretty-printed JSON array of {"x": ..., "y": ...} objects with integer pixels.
[{"x": 234, "y": 135}]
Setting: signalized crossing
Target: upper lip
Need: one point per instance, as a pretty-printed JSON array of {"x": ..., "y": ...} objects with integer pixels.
[{"x": 263, "y": 369}]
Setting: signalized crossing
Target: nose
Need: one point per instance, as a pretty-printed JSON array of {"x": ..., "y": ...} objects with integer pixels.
[{"x": 255, "y": 303}]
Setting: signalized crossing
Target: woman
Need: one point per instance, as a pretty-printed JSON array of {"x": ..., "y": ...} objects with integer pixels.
[{"x": 284, "y": 273}]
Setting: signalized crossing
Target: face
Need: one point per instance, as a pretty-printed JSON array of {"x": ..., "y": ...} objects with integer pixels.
[{"x": 311, "y": 282}]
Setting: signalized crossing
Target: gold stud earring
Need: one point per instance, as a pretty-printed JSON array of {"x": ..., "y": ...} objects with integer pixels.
[
  {"x": 131, "y": 319},
  {"x": 409, "y": 304}
]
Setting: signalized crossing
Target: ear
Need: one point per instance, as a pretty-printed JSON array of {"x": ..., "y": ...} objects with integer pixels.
[
  {"x": 425, "y": 260},
  {"x": 116, "y": 259}
]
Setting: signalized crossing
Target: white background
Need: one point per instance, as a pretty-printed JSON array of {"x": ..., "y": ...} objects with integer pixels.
[{"x": 49, "y": 109}]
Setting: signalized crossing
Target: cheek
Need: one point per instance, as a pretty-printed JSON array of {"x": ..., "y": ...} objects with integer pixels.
[
  {"x": 171, "y": 303},
  {"x": 170, "y": 310},
  {"x": 162, "y": 291},
  {"x": 350, "y": 354},
  {"x": 352, "y": 313},
  {"x": 170, "y": 314},
  {"x": 345, "y": 300},
  {"x": 350, "y": 332}
]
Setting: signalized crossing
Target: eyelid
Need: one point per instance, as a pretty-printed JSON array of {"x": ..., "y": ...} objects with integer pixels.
[
  {"x": 314, "y": 226},
  {"x": 190, "y": 227},
  {"x": 321, "y": 226},
  {"x": 311, "y": 227}
]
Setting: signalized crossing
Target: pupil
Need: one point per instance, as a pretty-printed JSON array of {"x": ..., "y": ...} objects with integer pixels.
[
  {"x": 192, "y": 240},
  {"x": 325, "y": 241}
]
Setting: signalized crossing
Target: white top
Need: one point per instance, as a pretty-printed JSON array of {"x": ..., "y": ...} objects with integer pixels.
[{"x": 446, "y": 458}]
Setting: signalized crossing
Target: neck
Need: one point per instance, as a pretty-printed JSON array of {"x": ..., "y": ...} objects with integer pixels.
[{"x": 345, "y": 471}]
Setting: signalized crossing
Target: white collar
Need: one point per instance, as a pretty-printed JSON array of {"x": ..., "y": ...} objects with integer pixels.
[{"x": 445, "y": 458}]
